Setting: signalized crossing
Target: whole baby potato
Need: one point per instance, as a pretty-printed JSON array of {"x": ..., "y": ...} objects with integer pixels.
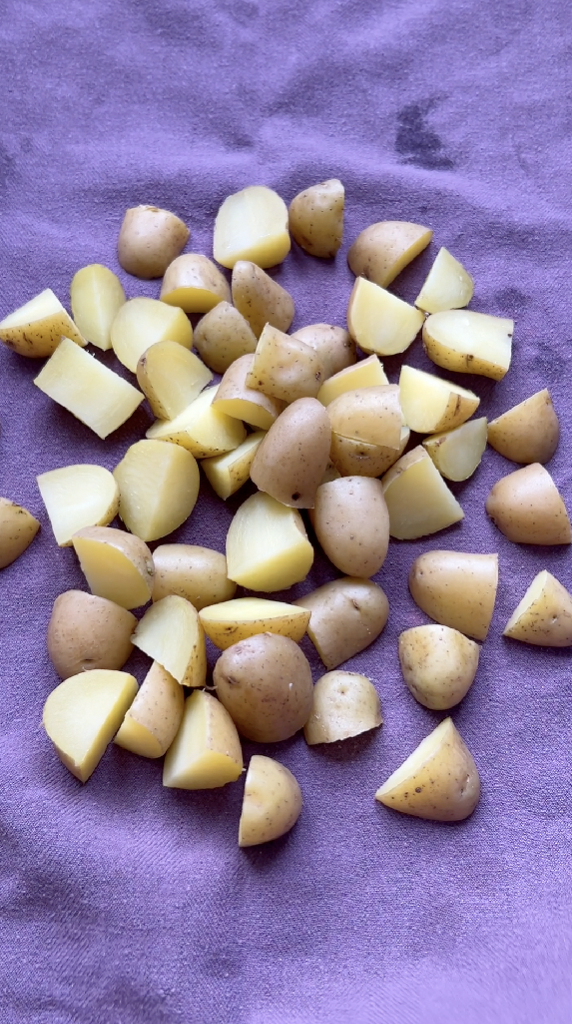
[
  {"x": 87, "y": 632},
  {"x": 150, "y": 239},
  {"x": 265, "y": 683},
  {"x": 347, "y": 615},
  {"x": 351, "y": 521},
  {"x": 290, "y": 461},
  {"x": 438, "y": 664}
]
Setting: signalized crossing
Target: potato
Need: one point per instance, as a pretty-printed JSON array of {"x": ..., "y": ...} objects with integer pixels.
[
  {"x": 142, "y": 322},
  {"x": 96, "y": 295},
  {"x": 260, "y": 299},
  {"x": 201, "y": 428},
  {"x": 351, "y": 521},
  {"x": 372, "y": 415},
  {"x": 153, "y": 720},
  {"x": 78, "y": 496},
  {"x": 229, "y": 622},
  {"x": 267, "y": 547},
  {"x": 468, "y": 342},
  {"x": 418, "y": 500},
  {"x": 431, "y": 404},
  {"x": 236, "y": 399},
  {"x": 222, "y": 336},
  {"x": 252, "y": 225},
  {"x": 356, "y": 458},
  {"x": 196, "y": 573},
  {"x": 345, "y": 704},
  {"x": 333, "y": 344},
  {"x": 457, "y": 453},
  {"x": 89, "y": 390},
  {"x": 158, "y": 488},
  {"x": 381, "y": 251},
  {"x": 438, "y": 664},
  {"x": 544, "y": 615},
  {"x": 82, "y": 715},
  {"x": 290, "y": 462},
  {"x": 379, "y": 321},
  {"x": 149, "y": 240},
  {"x": 36, "y": 328},
  {"x": 86, "y": 632},
  {"x": 206, "y": 752},
  {"x": 284, "y": 367},
  {"x": 116, "y": 565},
  {"x": 347, "y": 615},
  {"x": 170, "y": 632},
  {"x": 527, "y": 508},
  {"x": 171, "y": 377},
  {"x": 18, "y": 527},
  {"x": 272, "y": 802},
  {"x": 457, "y": 589},
  {"x": 447, "y": 285},
  {"x": 316, "y": 218},
  {"x": 194, "y": 283},
  {"x": 229, "y": 472},
  {"x": 265, "y": 683},
  {"x": 367, "y": 373},
  {"x": 529, "y": 432},
  {"x": 438, "y": 781}
]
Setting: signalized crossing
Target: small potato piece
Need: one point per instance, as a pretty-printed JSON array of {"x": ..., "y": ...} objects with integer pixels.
[
  {"x": 544, "y": 615},
  {"x": 87, "y": 632},
  {"x": 194, "y": 283},
  {"x": 438, "y": 781},
  {"x": 82, "y": 715},
  {"x": 260, "y": 299},
  {"x": 158, "y": 488},
  {"x": 347, "y": 615},
  {"x": 272, "y": 802},
  {"x": 367, "y": 373},
  {"x": 227, "y": 623},
  {"x": 447, "y": 285},
  {"x": 196, "y": 573},
  {"x": 201, "y": 428},
  {"x": 372, "y": 415},
  {"x": 316, "y": 218},
  {"x": 457, "y": 589},
  {"x": 222, "y": 336},
  {"x": 333, "y": 344},
  {"x": 529, "y": 432},
  {"x": 171, "y": 377},
  {"x": 351, "y": 521},
  {"x": 170, "y": 632},
  {"x": 284, "y": 367},
  {"x": 142, "y": 322},
  {"x": 431, "y": 404},
  {"x": 381, "y": 251},
  {"x": 265, "y": 683},
  {"x": 153, "y": 720},
  {"x": 116, "y": 565},
  {"x": 229, "y": 472},
  {"x": 345, "y": 704},
  {"x": 527, "y": 508},
  {"x": 438, "y": 664},
  {"x": 291, "y": 460},
  {"x": 96, "y": 295},
  {"x": 149, "y": 240},
  {"x": 236, "y": 399},
  {"x": 267, "y": 547},
  {"x": 418, "y": 499},
  {"x": 18, "y": 527},
  {"x": 468, "y": 342},
  {"x": 356, "y": 458},
  {"x": 379, "y": 321},
  {"x": 36, "y": 328},
  {"x": 78, "y": 496},
  {"x": 252, "y": 225},
  {"x": 457, "y": 453},
  {"x": 206, "y": 752}
]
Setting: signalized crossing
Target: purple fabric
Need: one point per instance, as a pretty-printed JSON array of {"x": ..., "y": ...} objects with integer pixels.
[{"x": 122, "y": 901}]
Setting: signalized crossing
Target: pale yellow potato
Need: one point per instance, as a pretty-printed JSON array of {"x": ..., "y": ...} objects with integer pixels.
[
  {"x": 291, "y": 460},
  {"x": 96, "y": 295},
  {"x": 357, "y": 458},
  {"x": 381, "y": 251},
  {"x": 447, "y": 285},
  {"x": 457, "y": 453},
  {"x": 82, "y": 715},
  {"x": 379, "y": 321},
  {"x": 87, "y": 632},
  {"x": 438, "y": 781},
  {"x": 367, "y": 373},
  {"x": 345, "y": 704},
  {"x": 206, "y": 752},
  {"x": 544, "y": 615},
  {"x": 149, "y": 240},
  {"x": 196, "y": 573},
  {"x": 438, "y": 663},
  {"x": 372, "y": 415},
  {"x": 272, "y": 802},
  {"x": 236, "y": 399},
  {"x": 229, "y": 472},
  {"x": 153, "y": 720},
  {"x": 116, "y": 565},
  {"x": 158, "y": 488},
  {"x": 330, "y": 473},
  {"x": 527, "y": 507},
  {"x": 529, "y": 432},
  {"x": 78, "y": 496},
  {"x": 170, "y": 632},
  {"x": 457, "y": 589},
  {"x": 92, "y": 392},
  {"x": 37, "y": 327},
  {"x": 335, "y": 347},
  {"x": 222, "y": 336},
  {"x": 347, "y": 615},
  {"x": 252, "y": 225},
  {"x": 260, "y": 299},
  {"x": 285, "y": 367},
  {"x": 171, "y": 377},
  {"x": 267, "y": 547},
  {"x": 194, "y": 283},
  {"x": 201, "y": 428},
  {"x": 418, "y": 499},
  {"x": 142, "y": 322},
  {"x": 431, "y": 404},
  {"x": 18, "y": 527},
  {"x": 468, "y": 342},
  {"x": 231, "y": 621},
  {"x": 351, "y": 523},
  {"x": 316, "y": 218}
]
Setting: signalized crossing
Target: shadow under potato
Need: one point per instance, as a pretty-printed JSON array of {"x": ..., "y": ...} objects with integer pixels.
[{"x": 345, "y": 750}]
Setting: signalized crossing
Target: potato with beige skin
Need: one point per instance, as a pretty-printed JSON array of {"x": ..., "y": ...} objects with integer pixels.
[
  {"x": 196, "y": 573},
  {"x": 418, "y": 499},
  {"x": 381, "y": 251},
  {"x": 194, "y": 283},
  {"x": 158, "y": 488},
  {"x": 36, "y": 328},
  {"x": 272, "y": 802},
  {"x": 149, "y": 240},
  {"x": 201, "y": 428},
  {"x": 206, "y": 752},
  {"x": 152, "y": 721},
  {"x": 222, "y": 336},
  {"x": 457, "y": 589},
  {"x": 529, "y": 432},
  {"x": 544, "y": 615},
  {"x": 265, "y": 683},
  {"x": 18, "y": 527},
  {"x": 260, "y": 299},
  {"x": 469, "y": 342},
  {"x": 316, "y": 218},
  {"x": 351, "y": 521},
  {"x": 527, "y": 508},
  {"x": 345, "y": 704},
  {"x": 356, "y": 458},
  {"x": 229, "y": 622},
  {"x": 285, "y": 367},
  {"x": 438, "y": 664},
  {"x": 117, "y": 565},
  {"x": 372, "y": 415},
  {"x": 267, "y": 547},
  {"x": 171, "y": 377},
  {"x": 347, "y": 615},
  {"x": 333, "y": 344},
  {"x": 86, "y": 632},
  {"x": 290, "y": 461},
  {"x": 235, "y": 398}
]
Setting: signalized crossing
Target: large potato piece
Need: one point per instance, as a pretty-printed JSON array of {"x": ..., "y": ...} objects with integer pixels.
[
  {"x": 206, "y": 752},
  {"x": 438, "y": 781},
  {"x": 345, "y": 704},
  {"x": 372, "y": 415},
  {"x": 447, "y": 285},
  {"x": 158, "y": 488},
  {"x": 438, "y": 664},
  {"x": 316, "y": 218},
  {"x": 260, "y": 299},
  {"x": 356, "y": 458},
  {"x": 290, "y": 462},
  {"x": 193, "y": 283},
  {"x": 116, "y": 565},
  {"x": 265, "y": 683},
  {"x": 418, "y": 499},
  {"x": 252, "y": 225},
  {"x": 36, "y": 328},
  {"x": 222, "y": 336},
  {"x": 458, "y": 452},
  {"x": 347, "y": 615},
  {"x": 544, "y": 615},
  {"x": 285, "y": 367},
  {"x": 457, "y": 589},
  {"x": 78, "y": 496},
  {"x": 18, "y": 527},
  {"x": 152, "y": 722},
  {"x": 149, "y": 240},
  {"x": 170, "y": 632},
  {"x": 351, "y": 521},
  {"x": 272, "y": 802},
  {"x": 431, "y": 404},
  {"x": 468, "y": 342},
  {"x": 381, "y": 251},
  {"x": 229, "y": 472},
  {"x": 196, "y": 573},
  {"x": 235, "y": 398},
  {"x": 529, "y": 432},
  {"x": 86, "y": 632},
  {"x": 267, "y": 547},
  {"x": 230, "y": 622},
  {"x": 333, "y": 344},
  {"x": 379, "y": 321},
  {"x": 367, "y": 373},
  {"x": 201, "y": 428},
  {"x": 142, "y": 322},
  {"x": 96, "y": 295},
  {"x": 527, "y": 508},
  {"x": 171, "y": 377}
]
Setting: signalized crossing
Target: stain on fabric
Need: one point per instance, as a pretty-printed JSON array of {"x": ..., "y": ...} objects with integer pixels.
[{"x": 416, "y": 142}]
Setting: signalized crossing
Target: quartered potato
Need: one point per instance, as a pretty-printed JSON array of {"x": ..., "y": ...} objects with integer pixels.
[
  {"x": 260, "y": 299},
  {"x": 438, "y": 664},
  {"x": 229, "y": 472},
  {"x": 544, "y": 615},
  {"x": 351, "y": 522},
  {"x": 367, "y": 373},
  {"x": 285, "y": 367},
  {"x": 447, "y": 285},
  {"x": 457, "y": 589},
  {"x": 37, "y": 327},
  {"x": 18, "y": 527},
  {"x": 272, "y": 802},
  {"x": 96, "y": 295},
  {"x": 149, "y": 240},
  {"x": 206, "y": 752},
  {"x": 316, "y": 218},
  {"x": 194, "y": 283},
  {"x": 344, "y": 704},
  {"x": 357, "y": 458},
  {"x": 201, "y": 428},
  {"x": 267, "y": 547},
  {"x": 347, "y": 615},
  {"x": 170, "y": 632},
  {"x": 372, "y": 415},
  {"x": 231, "y": 621},
  {"x": 334, "y": 346},
  {"x": 158, "y": 488},
  {"x": 78, "y": 496},
  {"x": 379, "y": 321},
  {"x": 418, "y": 499},
  {"x": 431, "y": 404},
  {"x": 291, "y": 460},
  {"x": 171, "y": 377},
  {"x": 235, "y": 398},
  {"x": 457, "y": 453},
  {"x": 196, "y": 573},
  {"x": 527, "y": 508},
  {"x": 381, "y": 251},
  {"x": 116, "y": 565},
  {"x": 142, "y": 322},
  {"x": 529, "y": 432},
  {"x": 86, "y": 632},
  {"x": 153, "y": 720},
  {"x": 468, "y": 342},
  {"x": 222, "y": 336},
  {"x": 252, "y": 225}
]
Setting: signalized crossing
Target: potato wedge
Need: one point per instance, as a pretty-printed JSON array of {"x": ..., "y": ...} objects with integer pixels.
[
  {"x": 170, "y": 632},
  {"x": 149, "y": 240},
  {"x": 351, "y": 522},
  {"x": 544, "y": 615},
  {"x": 229, "y": 622},
  {"x": 316, "y": 218},
  {"x": 229, "y": 472},
  {"x": 457, "y": 453},
  {"x": 291, "y": 460},
  {"x": 272, "y": 802},
  {"x": 260, "y": 299},
  {"x": 527, "y": 508},
  {"x": 418, "y": 499},
  {"x": 447, "y": 285},
  {"x": 222, "y": 336},
  {"x": 18, "y": 527},
  {"x": 158, "y": 488},
  {"x": 87, "y": 632},
  {"x": 468, "y": 342},
  {"x": 372, "y": 415},
  {"x": 206, "y": 752},
  {"x": 171, "y": 377},
  {"x": 334, "y": 346},
  {"x": 252, "y": 225},
  {"x": 78, "y": 496},
  {"x": 367, "y": 373},
  {"x": 284, "y": 367},
  {"x": 529, "y": 432},
  {"x": 345, "y": 704},
  {"x": 96, "y": 296},
  {"x": 235, "y": 398},
  {"x": 36, "y": 328},
  {"x": 438, "y": 663},
  {"x": 267, "y": 547},
  {"x": 356, "y": 458},
  {"x": 116, "y": 565},
  {"x": 381, "y": 251},
  {"x": 201, "y": 428},
  {"x": 379, "y": 321},
  {"x": 194, "y": 283},
  {"x": 142, "y": 322},
  {"x": 196, "y": 573},
  {"x": 347, "y": 615},
  {"x": 457, "y": 589},
  {"x": 152, "y": 722},
  {"x": 431, "y": 404}
]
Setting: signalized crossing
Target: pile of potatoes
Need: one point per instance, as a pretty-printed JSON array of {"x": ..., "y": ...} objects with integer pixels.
[{"x": 312, "y": 421}]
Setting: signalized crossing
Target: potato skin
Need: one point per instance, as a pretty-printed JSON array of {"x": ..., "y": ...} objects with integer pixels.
[
  {"x": 335, "y": 347},
  {"x": 149, "y": 240},
  {"x": 316, "y": 218},
  {"x": 351, "y": 521},
  {"x": 527, "y": 508},
  {"x": 290, "y": 461},
  {"x": 223, "y": 335},
  {"x": 438, "y": 664},
  {"x": 194, "y": 273},
  {"x": 345, "y": 705},
  {"x": 382, "y": 250},
  {"x": 544, "y": 616},
  {"x": 260, "y": 299},
  {"x": 457, "y": 589},
  {"x": 272, "y": 802},
  {"x": 196, "y": 573},
  {"x": 18, "y": 527},
  {"x": 529, "y": 432},
  {"x": 88, "y": 632},
  {"x": 347, "y": 615}
]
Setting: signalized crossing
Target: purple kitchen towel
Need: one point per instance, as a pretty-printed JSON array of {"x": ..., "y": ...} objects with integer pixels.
[{"x": 123, "y": 901}]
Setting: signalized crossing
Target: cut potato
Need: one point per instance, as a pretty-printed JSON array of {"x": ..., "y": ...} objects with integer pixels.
[
  {"x": 260, "y": 299},
  {"x": 96, "y": 296},
  {"x": 86, "y": 632},
  {"x": 78, "y": 496},
  {"x": 158, "y": 488},
  {"x": 116, "y": 565},
  {"x": 252, "y": 225},
  {"x": 527, "y": 508},
  {"x": 368, "y": 373},
  {"x": 316, "y": 218},
  {"x": 149, "y": 240},
  {"x": 222, "y": 336},
  {"x": 89, "y": 390},
  {"x": 431, "y": 404},
  {"x": 335, "y": 347},
  {"x": 196, "y": 573},
  {"x": 379, "y": 321},
  {"x": 351, "y": 522},
  {"x": 372, "y": 415},
  {"x": 347, "y": 615},
  {"x": 438, "y": 663},
  {"x": 170, "y": 632},
  {"x": 457, "y": 453},
  {"x": 345, "y": 704},
  {"x": 291, "y": 461},
  {"x": 418, "y": 499},
  {"x": 529, "y": 432},
  {"x": 457, "y": 589},
  {"x": 544, "y": 615},
  {"x": 82, "y": 715},
  {"x": 18, "y": 527},
  {"x": 381, "y": 251},
  {"x": 193, "y": 283},
  {"x": 36, "y": 328},
  {"x": 171, "y": 377},
  {"x": 272, "y": 802},
  {"x": 229, "y": 472},
  {"x": 236, "y": 399},
  {"x": 356, "y": 458},
  {"x": 285, "y": 367},
  {"x": 231, "y": 621},
  {"x": 142, "y": 322},
  {"x": 206, "y": 752},
  {"x": 153, "y": 720},
  {"x": 468, "y": 342},
  {"x": 447, "y": 285},
  {"x": 267, "y": 547},
  {"x": 201, "y": 428}
]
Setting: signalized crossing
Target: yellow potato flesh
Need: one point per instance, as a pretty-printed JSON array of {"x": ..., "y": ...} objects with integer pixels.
[
  {"x": 252, "y": 225},
  {"x": 152, "y": 722},
  {"x": 170, "y": 632},
  {"x": 457, "y": 453},
  {"x": 544, "y": 615},
  {"x": 345, "y": 704},
  {"x": 158, "y": 487},
  {"x": 232, "y": 621},
  {"x": 206, "y": 752},
  {"x": 193, "y": 572},
  {"x": 379, "y": 321},
  {"x": 431, "y": 404},
  {"x": 236, "y": 399},
  {"x": 96, "y": 296},
  {"x": 468, "y": 342},
  {"x": 37, "y": 327},
  {"x": 447, "y": 286},
  {"x": 18, "y": 527},
  {"x": 142, "y": 322},
  {"x": 201, "y": 428},
  {"x": 171, "y": 377},
  {"x": 267, "y": 547},
  {"x": 194, "y": 283},
  {"x": 116, "y": 565},
  {"x": 381, "y": 251},
  {"x": 367, "y": 373},
  {"x": 78, "y": 496},
  {"x": 285, "y": 367},
  {"x": 228, "y": 473},
  {"x": 418, "y": 500},
  {"x": 272, "y": 802}
]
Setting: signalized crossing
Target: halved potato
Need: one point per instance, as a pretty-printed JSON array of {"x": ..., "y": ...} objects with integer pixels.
[
  {"x": 170, "y": 632},
  {"x": 235, "y": 398},
  {"x": 206, "y": 752},
  {"x": 418, "y": 499},
  {"x": 372, "y": 415},
  {"x": 222, "y": 336},
  {"x": 291, "y": 461},
  {"x": 529, "y": 432},
  {"x": 152, "y": 722},
  {"x": 171, "y": 377},
  {"x": 379, "y": 321},
  {"x": 285, "y": 367},
  {"x": 86, "y": 631},
  {"x": 196, "y": 573},
  {"x": 142, "y": 322},
  {"x": 468, "y": 342},
  {"x": 345, "y": 704},
  {"x": 272, "y": 802},
  {"x": 149, "y": 239},
  {"x": 316, "y": 218},
  {"x": 351, "y": 522},
  {"x": 267, "y": 547},
  {"x": 158, "y": 488},
  {"x": 544, "y": 615},
  {"x": 78, "y": 496},
  {"x": 381, "y": 251},
  {"x": 96, "y": 295},
  {"x": 201, "y": 428},
  {"x": 252, "y": 225},
  {"x": 527, "y": 507},
  {"x": 447, "y": 285},
  {"x": 438, "y": 663},
  {"x": 431, "y": 404},
  {"x": 356, "y": 458},
  {"x": 231, "y": 621},
  {"x": 18, "y": 527},
  {"x": 37, "y": 327},
  {"x": 116, "y": 565},
  {"x": 347, "y": 615},
  {"x": 229, "y": 472},
  {"x": 335, "y": 347},
  {"x": 194, "y": 283},
  {"x": 367, "y": 373},
  {"x": 458, "y": 452},
  {"x": 260, "y": 299},
  {"x": 457, "y": 589}
]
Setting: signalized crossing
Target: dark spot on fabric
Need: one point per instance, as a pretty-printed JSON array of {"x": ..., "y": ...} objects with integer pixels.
[
  {"x": 511, "y": 300},
  {"x": 416, "y": 142}
]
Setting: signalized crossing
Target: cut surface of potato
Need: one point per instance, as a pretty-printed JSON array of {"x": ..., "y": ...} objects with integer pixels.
[
  {"x": 438, "y": 664},
  {"x": 291, "y": 460},
  {"x": 142, "y": 322},
  {"x": 267, "y": 547},
  {"x": 372, "y": 415},
  {"x": 170, "y": 632},
  {"x": 529, "y": 432},
  {"x": 431, "y": 404},
  {"x": 235, "y": 398},
  {"x": 527, "y": 507},
  {"x": 272, "y": 802},
  {"x": 194, "y": 283},
  {"x": 458, "y": 452},
  {"x": 229, "y": 472},
  {"x": 285, "y": 367},
  {"x": 252, "y": 225},
  {"x": 158, "y": 488},
  {"x": 347, "y": 615},
  {"x": 379, "y": 321},
  {"x": 222, "y": 336},
  {"x": 229, "y": 622},
  {"x": 87, "y": 632},
  {"x": 18, "y": 527},
  {"x": 196, "y": 573},
  {"x": 78, "y": 496},
  {"x": 418, "y": 499},
  {"x": 316, "y": 218},
  {"x": 544, "y": 615},
  {"x": 447, "y": 285},
  {"x": 171, "y": 377},
  {"x": 260, "y": 299},
  {"x": 381, "y": 251},
  {"x": 149, "y": 240},
  {"x": 116, "y": 565},
  {"x": 345, "y": 704},
  {"x": 367, "y": 373},
  {"x": 96, "y": 295},
  {"x": 152, "y": 722},
  {"x": 201, "y": 428},
  {"x": 468, "y": 342},
  {"x": 457, "y": 589},
  {"x": 206, "y": 752},
  {"x": 37, "y": 327}
]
